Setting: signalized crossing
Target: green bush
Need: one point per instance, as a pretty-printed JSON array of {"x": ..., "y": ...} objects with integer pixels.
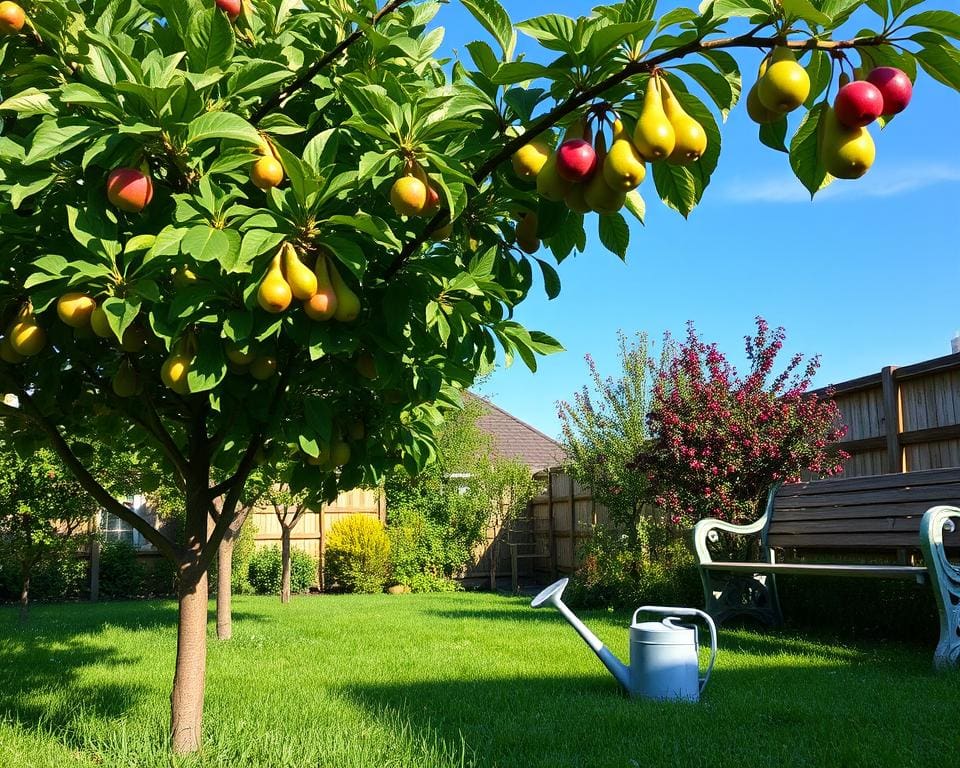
[
  {"x": 265, "y": 572},
  {"x": 429, "y": 582},
  {"x": 65, "y": 578},
  {"x": 121, "y": 573},
  {"x": 617, "y": 572},
  {"x": 358, "y": 554},
  {"x": 243, "y": 550}
]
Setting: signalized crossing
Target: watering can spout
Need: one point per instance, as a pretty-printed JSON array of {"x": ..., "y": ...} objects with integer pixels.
[{"x": 551, "y": 596}]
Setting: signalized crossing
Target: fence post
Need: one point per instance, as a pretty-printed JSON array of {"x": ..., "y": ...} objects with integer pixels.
[
  {"x": 893, "y": 419},
  {"x": 553, "y": 529},
  {"x": 573, "y": 525}
]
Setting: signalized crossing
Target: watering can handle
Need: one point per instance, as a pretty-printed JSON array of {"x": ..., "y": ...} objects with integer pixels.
[{"x": 692, "y": 612}]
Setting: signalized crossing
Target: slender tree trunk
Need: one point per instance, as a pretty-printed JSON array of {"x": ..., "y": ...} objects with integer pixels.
[
  {"x": 225, "y": 588},
  {"x": 186, "y": 700},
  {"x": 285, "y": 558},
  {"x": 25, "y": 590}
]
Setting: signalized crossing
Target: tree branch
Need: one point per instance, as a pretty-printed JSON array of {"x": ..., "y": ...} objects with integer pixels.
[
  {"x": 551, "y": 118},
  {"x": 89, "y": 483},
  {"x": 308, "y": 74}
]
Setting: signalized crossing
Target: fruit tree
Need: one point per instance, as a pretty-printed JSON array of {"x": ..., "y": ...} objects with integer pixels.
[{"x": 233, "y": 230}]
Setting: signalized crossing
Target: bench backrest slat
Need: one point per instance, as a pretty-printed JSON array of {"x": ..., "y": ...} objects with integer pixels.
[{"x": 877, "y": 512}]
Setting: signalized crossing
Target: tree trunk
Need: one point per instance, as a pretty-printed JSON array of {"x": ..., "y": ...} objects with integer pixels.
[
  {"x": 24, "y": 591},
  {"x": 225, "y": 588},
  {"x": 285, "y": 558},
  {"x": 186, "y": 700}
]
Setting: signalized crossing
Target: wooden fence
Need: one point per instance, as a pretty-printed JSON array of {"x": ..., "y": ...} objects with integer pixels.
[{"x": 899, "y": 420}]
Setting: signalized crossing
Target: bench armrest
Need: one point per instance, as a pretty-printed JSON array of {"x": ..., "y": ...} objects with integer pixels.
[{"x": 706, "y": 530}]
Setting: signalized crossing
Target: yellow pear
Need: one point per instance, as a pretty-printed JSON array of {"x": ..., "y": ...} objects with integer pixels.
[
  {"x": 654, "y": 135},
  {"x": 348, "y": 304},
  {"x": 759, "y": 113},
  {"x": 550, "y": 184},
  {"x": 785, "y": 84},
  {"x": 26, "y": 337},
  {"x": 300, "y": 278},
  {"x": 237, "y": 356},
  {"x": 274, "y": 294},
  {"x": 184, "y": 277},
  {"x": 99, "y": 324},
  {"x": 575, "y": 199},
  {"x": 323, "y": 304},
  {"x": 623, "y": 168},
  {"x": 173, "y": 372},
  {"x": 125, "y": 381},
  {"x": 597, "y": 193},
  {"x": 691, "y": 139},
  {"x": 263, "y": 367},
  {"x": 530, "y": 158},
  {"x": 527, "y": 233},
  {"x": 846, "y": 153},
  {"x": 340, "y": 453},
  {"x": 75, "y": 309}
]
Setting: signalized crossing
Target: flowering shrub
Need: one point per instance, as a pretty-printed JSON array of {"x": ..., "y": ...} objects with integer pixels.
[{"x": 720, "y": 440}]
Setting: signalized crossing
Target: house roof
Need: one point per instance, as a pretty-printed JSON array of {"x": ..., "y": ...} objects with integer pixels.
[{"x": 515, "y": 439}]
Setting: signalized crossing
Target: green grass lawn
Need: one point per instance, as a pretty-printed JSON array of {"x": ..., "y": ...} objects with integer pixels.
[{"x": 450, "y": 680}]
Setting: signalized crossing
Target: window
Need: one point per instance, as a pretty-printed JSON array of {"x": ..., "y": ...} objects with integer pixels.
[{"x": 115, "y": 529}]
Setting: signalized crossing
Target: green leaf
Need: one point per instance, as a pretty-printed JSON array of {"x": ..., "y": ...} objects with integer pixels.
[
  {"x": 520, "y": 71},
  {"x": 551, "y": 280},
  {"x": 805, "y": 151},
  {"x": 607, "y": 39},
  {"x": 774, "y": 135},
  {"x": 121, "y": 313},
  {"x": 222, "y": 125},
  {"x": 552, "y": 31},
  {"x": 716, "y": 85},
  {"x": 945, "y": 22},
  {"x": 206, "y": 243},
  {"x": 941, "y": 63},
  {"x": 496, "y": 21},
  {"x": 255, "y": 242},
  {"x": 614, "y": 233},
  {"x": 29, "y": 102},
  {"x": 209, "y": 40},
  {"x": 676, "y": 186},
  {"x": 208, "y": 367},
  {"x": 723, "y": 9},
  {"x": 636, "y": 205},
  {"x": 55, "y": 137},
  {"x": 348, "y": 253},
  {"x": 804, "y": 9}
]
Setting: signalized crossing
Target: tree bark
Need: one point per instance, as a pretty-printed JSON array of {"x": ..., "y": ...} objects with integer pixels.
[
  {"x": 285, "y": 559},
  {"x": 225, "y": 588},
  {"x": 186, "y": 700},
  {"x": 25, "y": 591}
]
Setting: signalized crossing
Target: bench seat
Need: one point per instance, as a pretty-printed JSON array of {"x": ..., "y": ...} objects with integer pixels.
[{"x": 898, "y": 520}]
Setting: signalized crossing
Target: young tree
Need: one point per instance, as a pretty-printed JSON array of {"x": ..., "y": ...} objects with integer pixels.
[
  {"x": 722, "y": 439},
  {"x": 289, "y": 507},
  {"x": 41, "y": 508},
  {"x": 173, "y": 175},
  {"x": 605, "y": 428}
]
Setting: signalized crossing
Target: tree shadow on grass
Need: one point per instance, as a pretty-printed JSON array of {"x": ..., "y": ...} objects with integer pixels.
[{"x": 830, "y": 712}]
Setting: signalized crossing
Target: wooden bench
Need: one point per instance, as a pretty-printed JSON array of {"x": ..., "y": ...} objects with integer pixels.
[{"x": 903, "y": 522}]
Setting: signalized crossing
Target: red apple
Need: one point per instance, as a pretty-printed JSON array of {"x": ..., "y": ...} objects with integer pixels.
[
  {"x": 858, "y": 104},
  {"x": 895, "y": 87},
  {"x": 230, "y": 7},
  {"x": 576, "y": 160},
  {"x": 129, "y": 189}
]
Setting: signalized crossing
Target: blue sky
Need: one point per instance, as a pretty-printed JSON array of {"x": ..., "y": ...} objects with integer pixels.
[{"x": 867, "y": 275}]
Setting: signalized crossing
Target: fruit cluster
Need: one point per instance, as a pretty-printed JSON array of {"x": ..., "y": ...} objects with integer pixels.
[
  {"x": 322, "y": 290},
  {"x": 588, "y": 177},
  {"x": 845, "y": 146}
]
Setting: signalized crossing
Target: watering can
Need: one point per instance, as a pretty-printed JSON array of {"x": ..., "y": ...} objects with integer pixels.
[{"x": 664, "y": 661}]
